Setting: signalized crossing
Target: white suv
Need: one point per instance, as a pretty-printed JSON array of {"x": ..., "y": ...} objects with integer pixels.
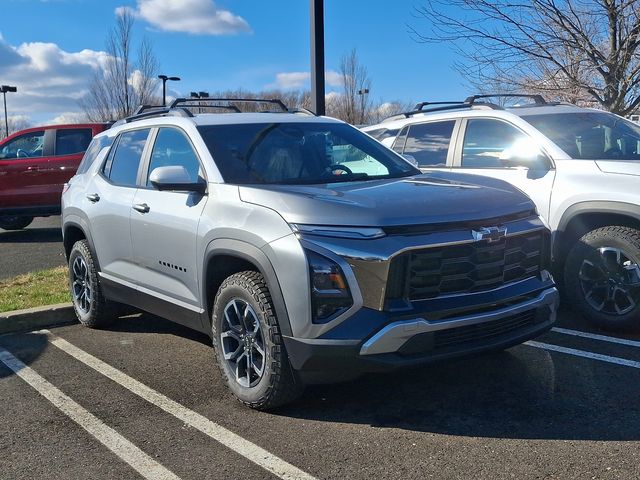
[{"x": 579, "y": 165}]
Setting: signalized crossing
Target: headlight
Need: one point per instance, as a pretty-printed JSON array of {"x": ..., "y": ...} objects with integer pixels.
[{"x": 330, "y": 294}]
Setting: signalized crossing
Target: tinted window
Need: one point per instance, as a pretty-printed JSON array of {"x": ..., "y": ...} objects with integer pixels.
[
  {"x": 95, "y": 147},
  {"x": 24, "y": 146},
  {"x": 122, "y": 165},
  {"x": 590, "y": 135},
  {"x": 398, "y": 144},
  {"x": 300, "y": 153},
  {"x": 382, "y": 133},
  {"x": 72, "y": 140},
  {"x": 485, "y": 140},
  {"x": 429, "y": 143},
  {"x": 172, "y": 147}
]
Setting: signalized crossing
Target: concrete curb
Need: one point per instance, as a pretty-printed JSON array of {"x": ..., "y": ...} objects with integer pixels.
[{"x": 38, "y": 317}]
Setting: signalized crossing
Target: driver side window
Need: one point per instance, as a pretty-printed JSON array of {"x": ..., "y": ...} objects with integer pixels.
[{"x": 25, "y": 146}]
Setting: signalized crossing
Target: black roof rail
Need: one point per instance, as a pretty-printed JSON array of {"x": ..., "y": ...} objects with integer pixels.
[
  {"x": 537, "y": 99},
  {"x": 274, "y": 101},
  {"x": 158, "y": 112},
  {"x": 421, "y": 105},
  {"x": 233, "y": 108}
]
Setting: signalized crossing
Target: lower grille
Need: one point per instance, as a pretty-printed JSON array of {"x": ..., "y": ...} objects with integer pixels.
[
  {"x": 482, "y": 331},
  {"x": 460, "y": 338}
]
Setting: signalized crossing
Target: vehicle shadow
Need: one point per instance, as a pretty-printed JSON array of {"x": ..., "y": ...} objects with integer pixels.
[
  {"x": 132, "y": 321},
  {"x": 523, "y": 393},
  {"x": 31, "y": 235}
]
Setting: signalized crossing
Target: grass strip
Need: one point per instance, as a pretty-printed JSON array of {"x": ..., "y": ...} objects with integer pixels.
[{"x": 36, "y": 289}]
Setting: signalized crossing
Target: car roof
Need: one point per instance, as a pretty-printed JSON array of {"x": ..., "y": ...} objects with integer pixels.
[{"x": 479, "y": 110}]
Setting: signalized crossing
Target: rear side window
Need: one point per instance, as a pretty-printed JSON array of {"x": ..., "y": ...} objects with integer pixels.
[
  {"x": 173, "y": 148},
  {"x": 72, "y": 140},
  {"x": 122, "y": 165},
  {"x": 95, "y": 147},
  {"x": 429, "y": 143},
  {"x": 382, "y": 133}
]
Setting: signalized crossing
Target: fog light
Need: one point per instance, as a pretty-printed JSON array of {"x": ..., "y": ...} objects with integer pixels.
[{"x": 330, "y": 294}]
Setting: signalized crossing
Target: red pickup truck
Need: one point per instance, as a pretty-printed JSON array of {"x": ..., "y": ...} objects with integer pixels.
[{"x": 34, "y": 165}]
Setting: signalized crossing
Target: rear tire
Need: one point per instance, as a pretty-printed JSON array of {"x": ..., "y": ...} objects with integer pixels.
[
  {"x": 602, "y": 277},
  {"x": 15, "y": 223},
  {"x": 92, "y": 309},
  {"x": 248, "y": 344}
]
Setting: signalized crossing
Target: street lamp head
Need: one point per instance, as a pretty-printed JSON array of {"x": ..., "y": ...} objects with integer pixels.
[
  {"x": 194, "y": 95},
  {"x": 163, "y": 77},
  {"x": 175, "y": 79},
  {"x": 8, "y": 88},
  {"x": 204, "y": 94}
]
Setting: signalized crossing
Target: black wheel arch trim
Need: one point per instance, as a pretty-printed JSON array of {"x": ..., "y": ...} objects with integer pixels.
[
  {"x": 252, "y": 254},
  {"x": 87, "y": 235},
  {"x": 616, "y": 208}
]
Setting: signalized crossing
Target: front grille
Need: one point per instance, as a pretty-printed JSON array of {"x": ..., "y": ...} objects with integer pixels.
[{"x": 466, "y": 268}]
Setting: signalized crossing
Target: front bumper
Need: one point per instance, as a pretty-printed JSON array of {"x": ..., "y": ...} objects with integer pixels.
[{"x": 420, "y": 340}]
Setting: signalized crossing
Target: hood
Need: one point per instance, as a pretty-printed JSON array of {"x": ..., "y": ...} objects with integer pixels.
[
  {"x": 631, "y": 167},
  {"x": 436, "y": 197}
]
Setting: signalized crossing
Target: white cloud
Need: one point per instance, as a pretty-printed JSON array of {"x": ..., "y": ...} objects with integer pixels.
[
  {"x": 67, "y": 117},
  {"x": 295, "y": 80},
  {"x": 198, "y": 17},
  {"x": 49, "y": 80}
]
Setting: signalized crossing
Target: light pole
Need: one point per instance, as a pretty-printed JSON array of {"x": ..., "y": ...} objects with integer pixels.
[
  {"x": 4, "y": 89},
  {"x": 164, "y": 79},
  {"x": 362, "y": 92},
  {"x": 316, "y": 8}
]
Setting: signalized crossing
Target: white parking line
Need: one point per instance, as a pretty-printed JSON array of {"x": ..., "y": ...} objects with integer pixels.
[
  {"x": 594, "y": 336},
  {"x": 123, "y": 448},
  {"x": 585, "y": 354},
  {"x": 247, "y": 449}
]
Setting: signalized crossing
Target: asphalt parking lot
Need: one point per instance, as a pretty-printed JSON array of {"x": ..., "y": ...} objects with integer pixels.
[
  {"x": 37, "y": 247},
  {"x": 152, "y": 405}
]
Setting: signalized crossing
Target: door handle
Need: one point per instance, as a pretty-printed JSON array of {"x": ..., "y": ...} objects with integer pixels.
[
  {"x": 141, "y": 207},
  {"x": 93, "y": 197},
  {"x": 33, "y": 169}
]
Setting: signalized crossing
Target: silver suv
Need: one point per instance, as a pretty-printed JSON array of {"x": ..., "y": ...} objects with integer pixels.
[
  {"x": 579, "y": 165},
  {"x": 305, "y": 249}
]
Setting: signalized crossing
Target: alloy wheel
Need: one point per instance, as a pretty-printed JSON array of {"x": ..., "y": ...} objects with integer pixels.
[
  {"x": 81, "y": 285},
  {"x": 242, "y": 342},
  {"x": 610, "y": 281}
]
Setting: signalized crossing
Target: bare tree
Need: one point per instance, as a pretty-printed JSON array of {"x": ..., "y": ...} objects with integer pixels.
[
  {"x": 354, "y": 102},
  {"x": 16, "y": 123},
  {"x": 584, "y": 51},
  {"x": 117, "y": 90}
]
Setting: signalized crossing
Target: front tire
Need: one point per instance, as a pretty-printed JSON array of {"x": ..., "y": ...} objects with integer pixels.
[
  {"x": 602, "y": 277},
  {"x": 92, "y": 309},
  {"x": 248, "y": 344},
  {"x": 15, "y": 223}
]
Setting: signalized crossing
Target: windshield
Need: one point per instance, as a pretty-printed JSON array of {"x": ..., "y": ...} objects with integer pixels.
[
  {"x": 590, "y": 135},
  {"x": 299, "y": 153}
]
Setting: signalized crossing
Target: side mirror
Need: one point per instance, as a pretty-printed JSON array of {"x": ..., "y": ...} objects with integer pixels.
[
  {"x": 176, "y": 178},
  {"x": 525, "y": 153}
]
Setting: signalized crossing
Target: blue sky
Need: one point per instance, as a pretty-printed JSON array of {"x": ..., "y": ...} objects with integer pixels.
[{"x": 50, "y": 48}]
